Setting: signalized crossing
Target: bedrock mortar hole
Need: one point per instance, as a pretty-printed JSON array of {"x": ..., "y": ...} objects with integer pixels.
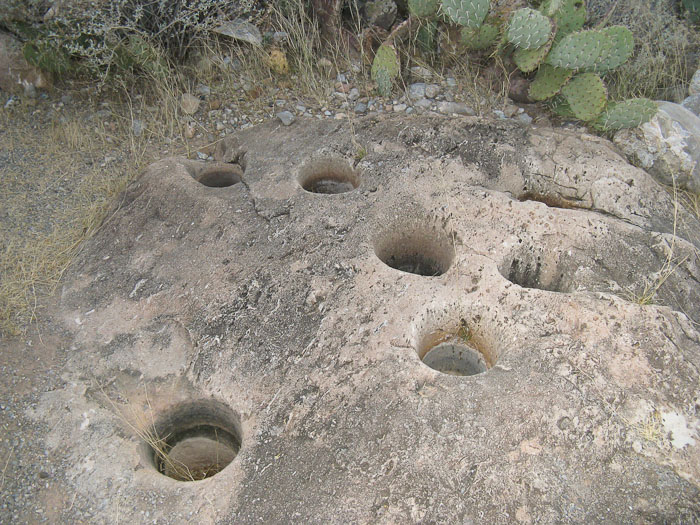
[
  {"x": 530, "y": 267},
  {"x": 328, "y": 176},
  {"x": 458, "y": 352},
  {"x": 550, "y": 200},
  {"x": 421, "y": 251},
  {"x": 220, "y": 176},
  {"x": 194, "y": 440}
]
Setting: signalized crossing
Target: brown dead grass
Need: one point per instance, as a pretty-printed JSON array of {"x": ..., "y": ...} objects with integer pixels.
[{"x": 56, "y": 189}]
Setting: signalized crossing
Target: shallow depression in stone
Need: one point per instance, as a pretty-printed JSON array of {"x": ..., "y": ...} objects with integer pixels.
[
  {"x": 194, "y": 441},
  {"x": 328, "y": 176}
]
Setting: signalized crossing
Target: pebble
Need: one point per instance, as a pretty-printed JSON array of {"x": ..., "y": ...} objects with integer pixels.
[
  {"x": 525, "y": 118},
  {"x": 400, "y": 107},
  {"x": 448, "y": 108},
  {"x": 300, "y": 108},
  {"x": 203, "y": 90},
  {"x": 499, "y": 114},
  {"x": 341, "y": 78},
  {"x": 340, "y": 116},
  {"x": 421, "y": 73},
  {"x": 416, "y": 90},
  {"x": 286, "y": 117},
  {"x": 202, "y": 156},
  {"x": 360, "y": 108},
  {"x": 354, "y": 94},
  {"x": 451, "y": 82},
  {"x": 432, "y": 90},
  {"x": 423, "y": 103}
]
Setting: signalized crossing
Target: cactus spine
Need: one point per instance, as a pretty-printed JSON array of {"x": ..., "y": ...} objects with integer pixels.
[
  {"x": 626, "y": 114},
  {"x": 467, "y": 13},
  {"x": 548, "y": 82},
  {"x": 529, "y": 29},
  {"x": 586, "y": 95},
  {"x": 385, "y": 68}
]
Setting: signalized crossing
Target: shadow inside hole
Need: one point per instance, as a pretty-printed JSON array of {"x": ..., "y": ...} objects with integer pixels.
[
  {"x": 193, "y": 441},
  {"x": 328, "y": 176},
  {"x": 329, "y": 185},
  {"x": 417, "y": 264},
  {"x": 550, "y": 200},
  {"x": 219, "y": 177},
  {"x": 530, "y": 270},
  {"x": 197, "y": 453}
]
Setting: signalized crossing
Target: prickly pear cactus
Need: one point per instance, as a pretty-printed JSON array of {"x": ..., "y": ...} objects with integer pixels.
[
  {"x": 586, "y": 95},
  {"x": 529, "y": 29},
  {"x": 626, "y": 114},
  {"x": 423, "y": 8},
  {"x": 479, "y": 38},
  {"x": 385, "y": 68},
  {"x": 616, "y": 48},
  {"x": 569, "y": 15},
  {"x": 426, "y": 36},
  {"x": 580, "y": 50},
  {"x": 467, "y": 13},
  {"x": 548, "y": 82},
  {"x": 527, "y": 60}
]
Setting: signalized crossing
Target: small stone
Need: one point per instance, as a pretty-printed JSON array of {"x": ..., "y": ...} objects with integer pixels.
[
  {"x": 361, "y": 108},
  {"x": 400, "y": 107},
  {"x": 409, "y": 111},
  {"x": 189, "y": 104},
  {"x": 286, "y": 117},
  {"x": 66, "y": 99},
  {"x": 327, "y": 113},
  {"x": 692, "y": 103},
  {"x": 416, "y": 90},
  {"x": 137, "y": 127},
  {"x": 525, "y": 118},
  {"x": 340, "y": 116},
  {"x": 354, "y": 94},
  {"x": 510, "y": 110},
  {"x": 214, "y": 103},
  {"x": 201, "y": 156},
  {"x": 499, "y": 114},
  {"x": 694, "y": 87},
  {"x": 423, "y": 103},
  {"x": 459, "y": 108},
  {"x": 381, "y": 13},
  {"x": 300, "y": 108},
  {"x": 451, "y": 82},
  {"x": 219, "y": 126},
  {"x": 190, "y": 130},
  {"x": 341, "y": 78},
  {"x": 432, "y": 90},
  {"x": 421, "y": 73},
  {"x": 203, "y": 90},
  {"x": 326, "y": 67}
]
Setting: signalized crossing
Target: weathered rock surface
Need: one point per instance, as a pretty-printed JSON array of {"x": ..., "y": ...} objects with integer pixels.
[
  {"x": 283, "y": 304},
  {"x": 668, "y": 146}
]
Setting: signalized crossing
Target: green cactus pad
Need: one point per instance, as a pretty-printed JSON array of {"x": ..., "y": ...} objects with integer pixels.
[
  {"x": 467, "y": 13},
  {"x": 423, "y": 8},
  {"x": 626, "y": 114},
  {"x": 426, "y": 36},
  {"x": 479, "y": 38},
  {"x": 569, "y": 15},
  {"x": 616, "y": 48},
  {"x": 580, "y": 50},
  {"x": 529, "y": 29},
  {"x": 559, "y": 106},
  {"x": 527, "y": 60},
  {"x": 586, "y": 95},
  {"x": 548, "y": 82},
  {"x": 385, "y": 68}
]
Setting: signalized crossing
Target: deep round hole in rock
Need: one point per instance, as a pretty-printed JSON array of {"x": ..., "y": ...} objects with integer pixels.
[
  {"x": 425, "y": 251},
  {"x": 457, "y": 352},
  {"x": 194, "y": 440},
  {"x": 328, "y": 176},
  {"x": 220, "y": 177}
]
